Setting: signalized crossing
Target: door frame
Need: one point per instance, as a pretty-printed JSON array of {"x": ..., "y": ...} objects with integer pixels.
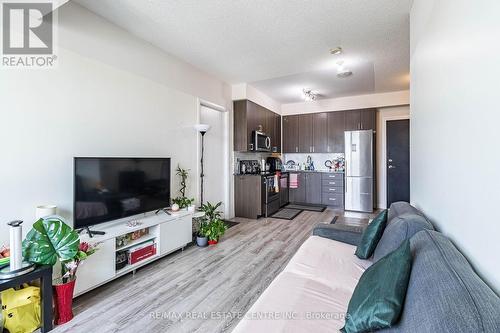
[
  {"x": 382, "y": 200},
  {"x": 225, "y": 163}
]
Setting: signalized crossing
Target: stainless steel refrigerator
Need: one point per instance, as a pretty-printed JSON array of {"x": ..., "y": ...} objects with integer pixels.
[{"x": 359, "y": 171}]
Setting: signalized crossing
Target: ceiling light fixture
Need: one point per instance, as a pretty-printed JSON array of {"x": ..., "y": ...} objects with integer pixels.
[
  {"x": 343, "y": 72},
  {"x": 336, "y": 50},
  {"x": 309, "y": 95}
]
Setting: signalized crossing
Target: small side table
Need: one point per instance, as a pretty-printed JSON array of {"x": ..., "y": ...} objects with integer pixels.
[{"x": 44, "y": 273}]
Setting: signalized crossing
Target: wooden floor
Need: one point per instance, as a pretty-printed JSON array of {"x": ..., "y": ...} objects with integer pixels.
[{"x": 181, "y": 292}]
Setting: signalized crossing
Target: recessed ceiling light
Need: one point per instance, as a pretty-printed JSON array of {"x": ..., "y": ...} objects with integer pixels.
[{"x": 336, "y": 51}]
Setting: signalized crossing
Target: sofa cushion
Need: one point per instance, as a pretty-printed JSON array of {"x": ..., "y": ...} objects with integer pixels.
[
  {"x": 345, "y": 233},
  {"x": 371, "y": 236},
  {"x": 401, "y": 228},
  {"x": 378, "y": 299},
  {"x": 316, "y": 284},
  {"x": 400, "y": 208},
  {"x": 444, "y": 293}
]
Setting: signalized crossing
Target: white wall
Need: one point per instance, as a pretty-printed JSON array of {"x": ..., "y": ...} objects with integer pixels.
[
  {"x": 455, "y": 155},
  {"x": 383, "y": 115},
  {"x": 395, "y": 98},
  {"x": 245, "y": 91},
  {"x": 111, "y": 95}
]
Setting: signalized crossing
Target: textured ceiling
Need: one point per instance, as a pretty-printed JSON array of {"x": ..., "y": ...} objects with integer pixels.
[{"x": 278, "y": 46}]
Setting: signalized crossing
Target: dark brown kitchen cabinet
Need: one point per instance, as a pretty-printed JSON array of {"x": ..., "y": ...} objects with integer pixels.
[
  {"x": 298, "y": 195},
  {"x": 320, "y": 132},
  {"x": 335, "y": 142},
  {"x": 248, "y": 196},
  {"x": 305, "y": 133},
  {"x": 352, "y": 120},
  {"x": 276, "y": 144},
  {"x": 249, "y": 117},
  {"x": 313, "y": 188},
  {"x": 368, "y": 119},
  {"x": 290, "y": 134},
  {"x": 356, "y": 120}
]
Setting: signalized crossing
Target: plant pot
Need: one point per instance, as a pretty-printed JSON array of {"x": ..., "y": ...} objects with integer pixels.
[
  {"x": 212, "y": 242},
  {"x": 63, "y": 298},
  {"x": 201, "y": 241}
]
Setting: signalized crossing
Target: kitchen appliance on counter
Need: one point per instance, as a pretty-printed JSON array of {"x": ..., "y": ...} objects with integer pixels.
[
  {"x": 275, "y": 164},
  {"x": 261, "y": 142},
  {"x": 249, "y": 167},
  {"x": 359, "y": 170}
]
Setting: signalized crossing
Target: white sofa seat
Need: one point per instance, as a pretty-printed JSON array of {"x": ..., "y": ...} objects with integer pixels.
[{"x": 311, "y": 294}]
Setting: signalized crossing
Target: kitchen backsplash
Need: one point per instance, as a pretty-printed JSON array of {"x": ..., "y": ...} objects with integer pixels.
[{"x": 318, "y": 159}]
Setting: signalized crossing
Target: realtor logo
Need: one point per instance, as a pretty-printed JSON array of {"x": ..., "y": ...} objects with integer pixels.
[{"x": 27, "y": 34}]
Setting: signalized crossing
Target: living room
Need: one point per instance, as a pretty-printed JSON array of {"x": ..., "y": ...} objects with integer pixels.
[{"x": 213, "y": 98}]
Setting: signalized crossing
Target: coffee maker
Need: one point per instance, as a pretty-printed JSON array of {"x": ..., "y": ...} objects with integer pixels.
[{"x": 274, "y": 164}]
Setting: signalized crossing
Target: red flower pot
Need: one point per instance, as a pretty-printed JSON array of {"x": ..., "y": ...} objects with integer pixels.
[
  {"x": 63, "y": 298},
  {"x": 212, "y": 242}
]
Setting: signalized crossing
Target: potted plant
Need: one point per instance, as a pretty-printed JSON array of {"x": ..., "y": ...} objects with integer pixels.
[
  {"x": 201, "y": 236},
  {"x": 216, "y": 229},
  {"x": 181, "y": 201},
  {"x": 51, "y": 240}
]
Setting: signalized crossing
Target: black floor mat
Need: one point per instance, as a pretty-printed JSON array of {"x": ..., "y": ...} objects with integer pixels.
[
  {"x": 312, "y": 208},
  {"x": 286, "y": 213},
  {"x": 230, "y": 223}
]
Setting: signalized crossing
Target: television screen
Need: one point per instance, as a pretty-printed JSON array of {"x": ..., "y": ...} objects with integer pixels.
[{"x": 107, "y": 189}]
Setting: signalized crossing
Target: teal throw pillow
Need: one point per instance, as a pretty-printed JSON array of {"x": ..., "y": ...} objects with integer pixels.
[
  {"x": 378, "y": 299},
  {"x": 371, "y": 236}
]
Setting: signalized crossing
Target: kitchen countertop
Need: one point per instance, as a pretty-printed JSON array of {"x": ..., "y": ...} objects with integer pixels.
[{"x": 315, "y": 171}]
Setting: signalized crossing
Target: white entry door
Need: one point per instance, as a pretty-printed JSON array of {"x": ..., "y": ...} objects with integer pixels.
[{"x": 216, "y": 183}]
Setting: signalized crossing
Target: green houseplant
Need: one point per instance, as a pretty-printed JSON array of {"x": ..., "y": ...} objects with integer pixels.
[
  {"x": 216, "y": 229},
  {"x": 51, "y": 240},
  {"x": 182, "y": 201},
  {"x": 214, "y": 226}
]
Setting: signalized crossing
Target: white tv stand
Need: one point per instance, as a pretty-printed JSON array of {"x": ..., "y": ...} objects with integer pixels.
[{"x": 169, "y": 232}]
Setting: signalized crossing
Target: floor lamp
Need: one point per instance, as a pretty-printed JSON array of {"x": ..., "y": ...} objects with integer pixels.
[{"x": 202, "y": 128}]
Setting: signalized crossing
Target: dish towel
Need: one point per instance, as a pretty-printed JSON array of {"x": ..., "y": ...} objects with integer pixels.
[
  {"x": 294, "y": 180},
  {"x": 276, "y": 184}
]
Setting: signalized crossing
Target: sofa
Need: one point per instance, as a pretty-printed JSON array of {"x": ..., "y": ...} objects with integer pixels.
[{"x": 312, "y": 293}]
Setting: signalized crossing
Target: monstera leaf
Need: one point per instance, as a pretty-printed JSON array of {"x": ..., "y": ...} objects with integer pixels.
[{"x": 50, "y": 239}]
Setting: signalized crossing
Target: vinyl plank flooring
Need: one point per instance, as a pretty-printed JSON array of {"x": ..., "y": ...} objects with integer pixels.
[{"x": 199, "y": 289}]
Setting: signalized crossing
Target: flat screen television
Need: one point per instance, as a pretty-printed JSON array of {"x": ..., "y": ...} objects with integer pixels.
[{"x": 107, "y": 189}]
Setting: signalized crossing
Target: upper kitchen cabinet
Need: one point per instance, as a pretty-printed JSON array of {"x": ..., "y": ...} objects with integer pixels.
[
  {"x": 276, "y": 143},
  {"x": 368, "y": 119},
  {"x": 249, "y": 117},
  {"x": 305, "y": 133},
  {"x": 291, "y": 134},
  {"x": 320, "y": 132},
  {"x": 336, "y": 121},
  {"x": 356, "y": 120}
]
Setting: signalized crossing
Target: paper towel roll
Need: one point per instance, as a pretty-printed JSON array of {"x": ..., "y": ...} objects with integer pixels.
[{"x": 16, "y": 256}]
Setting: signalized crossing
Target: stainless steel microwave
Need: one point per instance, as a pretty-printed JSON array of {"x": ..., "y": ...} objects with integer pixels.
[{"x": 261, "y": 142}]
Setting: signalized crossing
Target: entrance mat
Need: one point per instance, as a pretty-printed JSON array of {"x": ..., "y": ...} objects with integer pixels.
[
  {"x": 230, "y": 223},
  {"x": 286, "y": 214},
  {"x": 312, "y": 208}
]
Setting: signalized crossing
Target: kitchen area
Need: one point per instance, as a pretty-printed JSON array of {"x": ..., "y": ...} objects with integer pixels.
[{"x": 315, "y": 159}]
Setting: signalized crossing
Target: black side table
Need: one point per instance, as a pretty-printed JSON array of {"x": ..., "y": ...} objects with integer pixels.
[{"x": 44, "y": 273}]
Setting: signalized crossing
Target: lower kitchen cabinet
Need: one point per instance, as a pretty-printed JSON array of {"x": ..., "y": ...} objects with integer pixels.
[
  {"x": 298, "y": 195},
  {"x": 248, "y": 196},
  {"x": 313, "y": 188}
]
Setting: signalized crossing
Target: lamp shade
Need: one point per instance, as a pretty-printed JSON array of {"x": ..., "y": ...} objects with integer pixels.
[
  {"x": 203, "y": 128},
  {"x": 45, "y": 210}
]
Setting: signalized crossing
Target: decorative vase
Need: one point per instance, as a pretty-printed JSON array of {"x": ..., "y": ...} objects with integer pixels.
[
  {"x": 201, "y": 241},
  {"x": 63, "y": 298},
  {"x": 212, "y": 242}
]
